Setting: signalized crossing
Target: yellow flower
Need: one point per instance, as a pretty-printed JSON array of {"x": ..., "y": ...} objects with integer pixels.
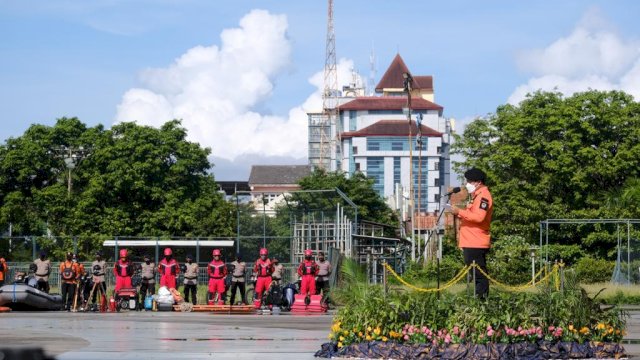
[
  {"x": 377, "y": 331},
  {"x": 360, "y": 334},
  {"x": 571, "y": 328},
  {"x": 341, "y": 338},
  {"x": 368, "y": 328},
  {"x": 330, "y": 336},
  {"x": 345, "y": 333},
  {"x": 368, "y": 338},
  {"x": 610, "y": 331},
  {"x": 339, "y": 344},
  {"x": 336, "y": 327},
  {"x": 584, "y": 330},
  {"x": 384, "y": 338},
  {"x": 600, "y": 326}
]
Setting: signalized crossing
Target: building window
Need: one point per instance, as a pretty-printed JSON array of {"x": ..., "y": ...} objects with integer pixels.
[
  {"x": 397, "y": 146},
  {"x": 396, "y": 170},
  {"x": 352, "y": 120},
  {"x": 357, "y": 166},
  {"x": 355, "y": 150},
  {"x": 436, "y": 197},
  {"x": 436, "y": 166},
  {"x": 373, "y": 145},
  {"x": 420, "y": 185},
  {"x": 439, "y": 150},
  {"x": 375, "y": 170},
  {"x": 436, "y": 182}
]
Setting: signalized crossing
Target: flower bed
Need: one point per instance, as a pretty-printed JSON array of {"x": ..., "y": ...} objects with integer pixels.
[{"x": 547, "y": 323}]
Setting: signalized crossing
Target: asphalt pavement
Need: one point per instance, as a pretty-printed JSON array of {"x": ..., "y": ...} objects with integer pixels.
[{"x": 166, "y": 335}]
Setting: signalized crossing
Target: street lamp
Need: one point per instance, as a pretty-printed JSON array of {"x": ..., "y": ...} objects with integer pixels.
[
  {"x": 71, "y": 156},
  {"x": 264, "y": 220},
  {"x": 408, "y": 83}
]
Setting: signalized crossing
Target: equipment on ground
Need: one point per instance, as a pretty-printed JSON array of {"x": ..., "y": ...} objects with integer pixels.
[
  {"x": 23, "y": 294},
  {"x": 126, "y": 299}
]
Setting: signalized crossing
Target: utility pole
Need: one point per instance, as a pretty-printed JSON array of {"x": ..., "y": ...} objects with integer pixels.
[{"x": 408, "y": 84}]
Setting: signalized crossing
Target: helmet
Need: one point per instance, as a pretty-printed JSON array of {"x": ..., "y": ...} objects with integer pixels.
[
  {"x": 2, "y": 259},
  {"x": 167, "y": 252},
  {"x": 189, "y": 256},
  {"x": 308, "y": 252},
  {"x": 123, "y": 253},
  {"x": 264, "y": 251},
  {"x": 216, "y": 252}
]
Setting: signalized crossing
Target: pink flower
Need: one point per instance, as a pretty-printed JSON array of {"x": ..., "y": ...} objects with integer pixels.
[
  {"x": 447, "y": 339},
  {"x": 462, "y": 334},
  {"x": 519, "y": 328},
  {"x": 434, "y": 342},
  {"x": 424, "y": 329},
  {"x": 404, "y": 332},
  {"x": 406, "y": 338},
  {"x": 551, "y": 328},
  {"x": 455, "y": 330},
  {"x": 521, "y": 332},
  {"x": 490, "y": 332}
]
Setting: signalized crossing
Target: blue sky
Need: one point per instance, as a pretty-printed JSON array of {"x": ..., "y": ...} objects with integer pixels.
[{"x": 96, "y": 60}]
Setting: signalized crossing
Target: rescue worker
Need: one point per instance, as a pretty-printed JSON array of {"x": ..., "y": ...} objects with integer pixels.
[
  {"x": 308, "y": 270},
  {"x": 168, "y": 269},
  {"x": 4, "y": 269},
  {"x": 191, "y": 280},
  {"x": 217, "y": 272},
  {"x": 238, "y": 275},
  {"x": 68, "y": 276},
  {"x": 324, "y": 272},
  {"x": 43, "y": 270},
  {"x": 148, "y": 279},
  {"x": 81, "y": 281},
  {"x": 98, "y": 270},
  {"x": 262, "y": 270},
  {"x": 123, "y": 270},
  {"x": 277, "y": 271},
  {"x": 475, "y": 239}
]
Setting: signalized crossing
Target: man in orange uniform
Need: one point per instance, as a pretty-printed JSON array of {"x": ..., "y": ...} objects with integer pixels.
[
  {"x": 217, "y": 272},
  {"x": 262, "y": 269},
  {"x": 4, "y": 268},
  {"x": 308, "y": 270},
  {"x": 475, "y": 239},
  {"x": 123, "y": 269},
  {"x": 69, "y": 274},
  {"x": 168, "y": 269}
]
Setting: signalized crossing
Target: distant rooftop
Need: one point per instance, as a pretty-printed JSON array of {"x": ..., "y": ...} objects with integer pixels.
[
  {"x": 389, "y": 103},
  {"x": 393, "y": 78},
  {"x": 278, "y": 174},
  {"x": 392, "y": 128},
  {"x": 231, "y": 187}
]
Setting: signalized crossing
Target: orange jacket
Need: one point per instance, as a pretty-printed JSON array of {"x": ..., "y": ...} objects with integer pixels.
[
  {"x": 476, "y": 220},
  {"x": 3, "y": 268},
  {"x": 74, "y": 268}
]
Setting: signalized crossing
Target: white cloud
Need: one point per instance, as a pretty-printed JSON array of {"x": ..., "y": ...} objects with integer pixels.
[
  {"x": 593, "y": 56},
  {"x": 215, "y": 91}
]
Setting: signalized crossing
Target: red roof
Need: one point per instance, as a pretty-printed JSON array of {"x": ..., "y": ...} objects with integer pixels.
[
  {"x": 391, "y": 128},
  {"x": 389, "y": 103},
  {"x": 394, "y": 79}
]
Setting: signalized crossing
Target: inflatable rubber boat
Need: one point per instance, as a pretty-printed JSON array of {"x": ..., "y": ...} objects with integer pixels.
[{"x": 23, "y": 295}]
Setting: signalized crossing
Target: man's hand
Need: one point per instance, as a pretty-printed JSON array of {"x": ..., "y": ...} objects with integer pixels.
[{"x": 452, "y": 209}]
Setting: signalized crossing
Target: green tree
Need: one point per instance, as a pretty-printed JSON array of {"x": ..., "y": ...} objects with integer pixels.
[{"x": 556, "y": 157}]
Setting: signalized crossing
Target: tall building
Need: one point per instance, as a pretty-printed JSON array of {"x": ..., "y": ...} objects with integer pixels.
[{"x": 372, "y": 135}]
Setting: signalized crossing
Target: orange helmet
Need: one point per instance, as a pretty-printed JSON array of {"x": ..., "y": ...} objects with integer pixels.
[
  {"x": 167, "y": 252},
  {"x": 123, "y": 253},
  {"x": 264, "y": 251},
  {"x": 216, "y": 252},
  {"x": 308, "y": 252}
]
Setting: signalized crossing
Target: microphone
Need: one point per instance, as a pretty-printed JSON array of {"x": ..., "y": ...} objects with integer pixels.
[{"x": 455, "y": 190}]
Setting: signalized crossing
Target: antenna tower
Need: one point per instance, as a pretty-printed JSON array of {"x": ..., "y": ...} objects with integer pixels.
[{"x": 329, "y": 97}]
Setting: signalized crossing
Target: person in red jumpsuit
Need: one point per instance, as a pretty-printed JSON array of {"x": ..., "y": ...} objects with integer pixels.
[
  {"x": 168, "y": 269},
  {"x": 123, "y": 269},
  {"x": 217, "y": 272},
  {"x": 262, "y": 269},
  {"x": 308, "y": 270}
]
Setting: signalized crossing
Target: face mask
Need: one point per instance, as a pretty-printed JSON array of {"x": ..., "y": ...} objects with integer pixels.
[
  {"x": 470, "y": 188},
  {"x": 148, "y": 261}
]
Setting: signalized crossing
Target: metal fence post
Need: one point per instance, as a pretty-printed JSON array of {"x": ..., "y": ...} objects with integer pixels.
[{"x": 475, "y": 291}]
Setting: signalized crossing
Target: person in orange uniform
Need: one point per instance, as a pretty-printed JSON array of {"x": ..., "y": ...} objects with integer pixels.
[
  {"x": 123, "y": 269},
  {"x": 168, "y": 269},
  {"x": 475, "y": 239},
  {"x": 262, "y": 269},
  {"x": 68, "y": 274},
  {"x": 308, "y": 270},
  {"x": 217, "y": 272},
  {"x": 4, "y": 268}
]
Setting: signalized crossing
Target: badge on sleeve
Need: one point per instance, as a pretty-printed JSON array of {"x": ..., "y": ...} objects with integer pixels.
[{"x": 484, "y": 204}]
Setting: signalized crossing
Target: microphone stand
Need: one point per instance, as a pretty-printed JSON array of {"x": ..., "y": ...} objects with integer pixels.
[{"x": 439, "y": 250}]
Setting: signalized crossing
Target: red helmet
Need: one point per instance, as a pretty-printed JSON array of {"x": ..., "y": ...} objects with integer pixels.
[
  {"x": 123, "y": 253},
  {"x": 167, "y": 252},
  {"x": 216, "y": 252},
  {"x": 308, "y": 252},
  {"x": 264, "y": 251}
]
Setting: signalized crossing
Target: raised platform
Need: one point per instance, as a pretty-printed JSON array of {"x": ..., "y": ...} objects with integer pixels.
[{"x": 221, "y": 309}]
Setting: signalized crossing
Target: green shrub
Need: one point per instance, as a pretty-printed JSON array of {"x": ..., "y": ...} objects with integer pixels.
[
  {"x": 590, "y": 270},
  {"x": 509, "y": 260}
]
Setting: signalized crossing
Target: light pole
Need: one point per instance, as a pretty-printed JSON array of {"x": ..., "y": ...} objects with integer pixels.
[
  {"x": 264, "y": 221},
  {"x": 408, "y": 83},
  {"x": 71, "y": 156}
]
